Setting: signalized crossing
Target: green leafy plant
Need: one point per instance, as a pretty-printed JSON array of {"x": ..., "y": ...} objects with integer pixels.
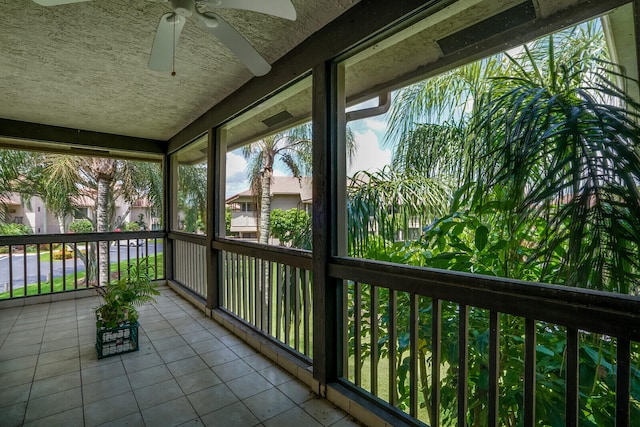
[
  {"x": 13, "y": 229},
  {"x": 81, "y": 226},
  {"x": 545, "y": 159},
  {"x": 291, "y": 227},
  {"x": 120, "y": 297}
]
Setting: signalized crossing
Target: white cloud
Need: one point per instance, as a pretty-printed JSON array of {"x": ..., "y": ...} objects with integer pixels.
[
  {"x": 369, "y": 156},
  {"x": 376, "y": 124},
  {"x": 236, "y": 174}
]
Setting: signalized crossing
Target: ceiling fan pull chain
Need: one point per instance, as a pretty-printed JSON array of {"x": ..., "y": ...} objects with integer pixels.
[{"x": 173, "y": 63}]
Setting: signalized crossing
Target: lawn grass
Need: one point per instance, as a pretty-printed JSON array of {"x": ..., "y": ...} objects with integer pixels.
[{"x": 68, "y": 282}]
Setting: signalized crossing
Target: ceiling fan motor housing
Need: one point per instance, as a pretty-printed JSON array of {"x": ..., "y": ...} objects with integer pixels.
[{"x": 183, "y": 8}]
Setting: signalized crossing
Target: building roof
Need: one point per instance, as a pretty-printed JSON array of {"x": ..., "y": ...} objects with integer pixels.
[{"x": 9, "y": 201}]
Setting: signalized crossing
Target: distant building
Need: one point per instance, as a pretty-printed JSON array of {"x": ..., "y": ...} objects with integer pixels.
[
  {"x": 35, "y": 215},
  {"x": 287, "y": 192}
]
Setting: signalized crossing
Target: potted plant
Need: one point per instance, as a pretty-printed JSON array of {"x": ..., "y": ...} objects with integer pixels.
[{"x": 117, "y": 317}]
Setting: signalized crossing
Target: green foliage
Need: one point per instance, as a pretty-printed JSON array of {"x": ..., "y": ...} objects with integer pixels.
[
  {"x": 120, "y": 297},
  {"x": 386, "y": 205},
  {"x": 131, "y": 226},
  {"x": 192, "y": 196},
  {"x": 141, "y": 224},
  {"x": 68, "y": 254},
  {"x": 227, "y": 221},
  {"x": 543, "y": 148},
  {"x": 291, "y": 227},
  {"x": 81, "y": 226},
  {"x": 12, "y": 229}
]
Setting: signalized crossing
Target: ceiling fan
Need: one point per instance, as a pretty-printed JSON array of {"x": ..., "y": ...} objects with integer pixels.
[{"x": 171, "y": 24}]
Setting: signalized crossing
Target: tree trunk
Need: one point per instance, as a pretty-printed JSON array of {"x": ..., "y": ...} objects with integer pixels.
[
  {"x": 265, "y": 206},
  {"x": 61, "y": 223},
  {"x": 102, "y": 221}
]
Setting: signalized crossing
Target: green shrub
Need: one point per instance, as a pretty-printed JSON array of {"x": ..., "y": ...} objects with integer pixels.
[
  {"x": 131, "y": 226},
  {"x": 68, "y": 254},
  {"x": 12, "y": 229},
  {"x": 81, "y": 226}
]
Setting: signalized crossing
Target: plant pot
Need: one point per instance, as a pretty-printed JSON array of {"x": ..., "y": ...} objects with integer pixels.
[{"x": 119, "y": 340}]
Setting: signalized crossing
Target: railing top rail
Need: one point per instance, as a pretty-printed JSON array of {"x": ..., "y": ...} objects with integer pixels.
[
  {"x": 295, "y": 257},
  {"x": 592, "y": 310},
  {"x": 34, "y": 239},
  {"x": 198, "y": 239}
]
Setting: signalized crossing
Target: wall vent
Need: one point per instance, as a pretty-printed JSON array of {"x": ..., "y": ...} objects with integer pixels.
[{"x": 277, "y": 118}]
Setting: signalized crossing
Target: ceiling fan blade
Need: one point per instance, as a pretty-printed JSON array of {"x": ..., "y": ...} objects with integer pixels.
[
  {"x": 236, "y": 43},
  {"x": 57, "y": 2},
  {"x": 165, "y": 42},
  {"x": 280, "y": 8}
]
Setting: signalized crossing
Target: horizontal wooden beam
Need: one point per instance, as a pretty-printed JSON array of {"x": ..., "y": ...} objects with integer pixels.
[
  {"x": 591, "y": 310},
  {"x": 18, "y": 134}
]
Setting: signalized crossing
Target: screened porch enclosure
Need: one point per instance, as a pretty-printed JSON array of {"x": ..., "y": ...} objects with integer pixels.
[{"x": 360, "y": 309}]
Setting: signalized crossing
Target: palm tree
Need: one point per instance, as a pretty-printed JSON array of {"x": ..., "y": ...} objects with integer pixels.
[
  {"x": 12, "y": 166},
  {"x": 192, "y": 194},
  {"x": 548, "y": 127},
  {"x": 58, "y": 179},
  {"x": 292, "y": 147}
]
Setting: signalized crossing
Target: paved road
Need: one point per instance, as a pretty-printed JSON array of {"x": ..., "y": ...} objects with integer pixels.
[{"x": 18, "y": 272}]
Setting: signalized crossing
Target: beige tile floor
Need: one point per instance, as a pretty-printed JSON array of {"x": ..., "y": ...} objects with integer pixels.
[{"x": 189, "y": 371}]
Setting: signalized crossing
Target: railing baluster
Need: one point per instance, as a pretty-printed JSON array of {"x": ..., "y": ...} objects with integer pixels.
[
  {"x": 86, "y": 268},
  {"x": 75, "y": 265},
  {"x": 50, "y": 266},
  {"x": 11, "y": 272},
  {"x": 257, "y": 280},
  {"x": 623, "y": 382},
  {"x": 436, "y": 338},
  {"x": 245, "y": 277},
  {"x": 129, "y": 255},
  {"x": 237, "y": 307},
  {"x": 374, "y": 340},
  {"x": 251, "y": 297},
  {"x": 530, "y": 373},
  {"x": 118, "y": 257},
  {"x": 393, "y": 340},
  {"x": 108, "y": 262},
  {"x": 463, "y": 368},
  {"x": 494, "y": 367},
  {"x": 64, "y": 267},
  {"x": 287, "y": 304},
  {"x": 307, "y": 313},
  {"x": 24, "y": 261},
  {"x": 296, "y": 310},
  {"x": 413, "y": 358},
  {"x": 225, "y": 279},
  {"x": 357, "y": 327},
  {"x": 279, "y": 301},
  {"x": 265, "y": 298},
  {"x": 38, "y": 269},
  {"x": 98, "y": 263},
  {"x": 231, "y": 281},
  {"x": 146, "y": 253},
  {"x": 272, "y": 298},
  {"x": 343, "y": 369},
  {"x": 572, "y": 378}
]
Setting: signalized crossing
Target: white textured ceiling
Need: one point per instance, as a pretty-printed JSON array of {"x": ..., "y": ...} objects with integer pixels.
[{"x": 84, "y": 65}]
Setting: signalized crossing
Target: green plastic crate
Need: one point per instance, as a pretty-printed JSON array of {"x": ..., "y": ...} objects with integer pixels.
[{"x": 120, "y": 340}]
